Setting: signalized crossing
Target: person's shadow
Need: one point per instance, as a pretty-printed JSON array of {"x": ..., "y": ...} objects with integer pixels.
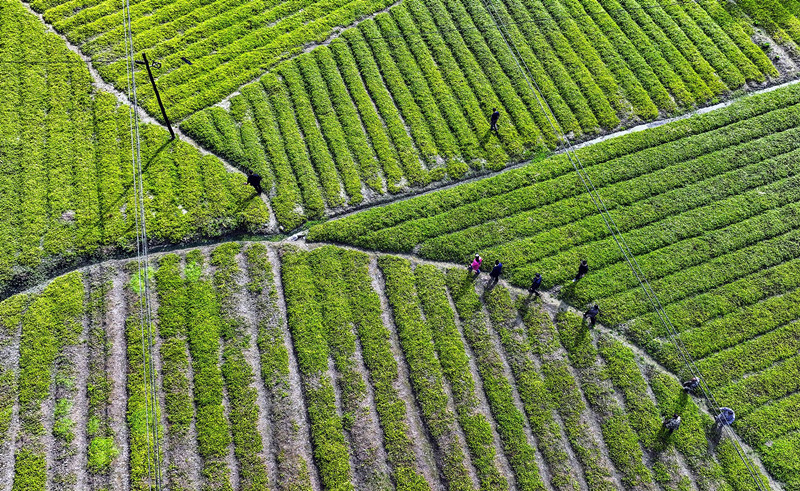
[{"x": 487, "y": 136}]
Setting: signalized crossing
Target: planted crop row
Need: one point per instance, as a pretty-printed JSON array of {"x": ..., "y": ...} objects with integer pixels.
[
  {"x": 144, "y": 423},
  {"x": 499, "y": 393},
  {"x": 455, "y": 367},
  {"x": 567, "y": 399},
  {"x": 11, "y": 313},
  {"x": 332, "y": 130},
  {"x": 308, "y": 334},
  {"x": 776, "y": 18},
  {"x": 103, "y": 449},
  {"x": 719, "y": 301},
  {"x": 292, "y": 468},
  {"x": 243, "y": 413},
  {"x": 65, "y": 394},
  {"x": 458, "y": 70},
  {"x": 657, "y": 148},
  {"x": 538, "y": 403},
  {"x": 383, "y": 370},
  {"x": 317, "y": 149},
  {"x": 173, "y": 329},
  {"x": 427, "y": 379},
  {"x": 326, "y": 267},
  {"x": 489, "y": 43},
  {"x": 204, "y": 331},
  {"x": 621, "y": 440},
  {"x": 51, "y": 322}
]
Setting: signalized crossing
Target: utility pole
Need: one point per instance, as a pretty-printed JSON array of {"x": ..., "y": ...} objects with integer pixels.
[{"x": 158, "y": 97}]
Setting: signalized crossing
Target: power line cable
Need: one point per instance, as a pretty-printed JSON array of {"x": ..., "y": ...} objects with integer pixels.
[
  {"x": 627, "y": 254},
  {"x": 145, "y": 310}
]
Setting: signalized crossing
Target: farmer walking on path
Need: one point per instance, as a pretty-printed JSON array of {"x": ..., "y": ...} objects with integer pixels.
[
  {"x": 475, "y": 266},
  {"x": 691, "y": 385},
  {"x": 535, "y": 284},
  {"x": 495, "y": 274},
  {"x": 495, "y": 117},
  {"x": 582, "y": 270},
  {"x": 672, "y": 424},
  {"x": 254, "y": 180},
  {"x": 592, "y": 314}
]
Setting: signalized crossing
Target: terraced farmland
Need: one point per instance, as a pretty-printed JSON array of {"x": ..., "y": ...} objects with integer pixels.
[
  {"x": 403, "y": 100},
  {"x": 301, "y": 365},
  {"x": 708, "y": 207},
  {"x": 65, "y": 166},
  {"x": 294, "y": 368}
]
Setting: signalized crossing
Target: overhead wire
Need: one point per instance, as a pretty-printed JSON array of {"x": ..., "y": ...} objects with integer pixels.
[
  {"x": 143, "y": 263},
  {"x": 619, "y": 239}
]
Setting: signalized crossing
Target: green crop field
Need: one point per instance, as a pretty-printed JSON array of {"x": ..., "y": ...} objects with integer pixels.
[
  {"x": 316, "y": 393},
  {"x": 708, "y": 206},
  {"x": 65, "y": 166},
  {"x": 228, "y": 43},
  {"x": 326, "y": 334},
  {"x": 403, "y": 100}
]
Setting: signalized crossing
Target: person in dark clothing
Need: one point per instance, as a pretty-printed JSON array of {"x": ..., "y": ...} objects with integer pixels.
[
  {"x": 691, "y": 385},
  {"x": 726, "y": 416},
  {"x": 495, "y": 273},
  {"x": 535, "y": 284},
  {"x": 254, "y": 180},
  {"x": 672, "y": 424},
  {"x": 495, "y": 117},
  {"x": 582, "y": 270},
  {"x": 592, "y": 314}
]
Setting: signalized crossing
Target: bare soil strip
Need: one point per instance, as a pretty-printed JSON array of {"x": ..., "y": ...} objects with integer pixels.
[
  {"x": 77, "y": 462},
  {"x": 368, "y": 436},
  {"x": 250, "y": 314},
  {"x": 117, "y": 373},
  {"x": 230, "y": 458}
]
